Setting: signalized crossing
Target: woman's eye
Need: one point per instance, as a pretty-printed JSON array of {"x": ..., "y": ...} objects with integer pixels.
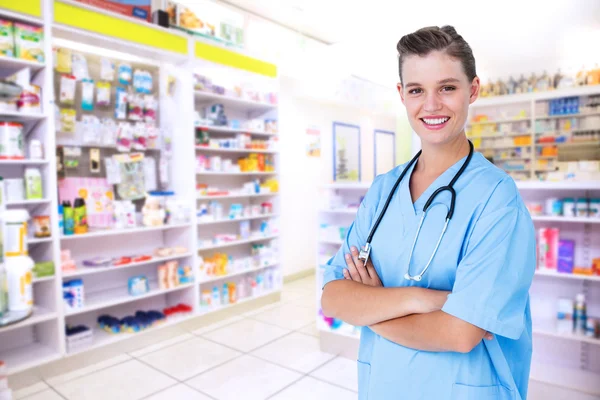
[
  {"x": 448, "y": 88},
  {"x": 414, "y": 91}
]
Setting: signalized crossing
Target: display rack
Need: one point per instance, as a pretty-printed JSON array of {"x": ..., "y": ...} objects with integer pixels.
[{"x": 175, "y": 57}]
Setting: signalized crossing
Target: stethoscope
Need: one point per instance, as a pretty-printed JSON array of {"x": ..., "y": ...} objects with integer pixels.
[{"x": 365, "y": 252}]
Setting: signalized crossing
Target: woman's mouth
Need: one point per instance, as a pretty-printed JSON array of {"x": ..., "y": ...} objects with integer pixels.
[{"x": 435, "y": 123}]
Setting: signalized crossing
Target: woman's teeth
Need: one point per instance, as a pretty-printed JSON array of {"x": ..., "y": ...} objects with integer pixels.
[{"x": 435, "y": 121}]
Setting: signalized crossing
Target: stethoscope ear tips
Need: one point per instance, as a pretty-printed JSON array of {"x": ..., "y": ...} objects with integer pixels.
[{"x": 413, "y": 278}]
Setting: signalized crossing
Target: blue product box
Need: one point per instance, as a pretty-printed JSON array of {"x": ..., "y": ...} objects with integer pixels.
[{"x": 566, "y": 256}]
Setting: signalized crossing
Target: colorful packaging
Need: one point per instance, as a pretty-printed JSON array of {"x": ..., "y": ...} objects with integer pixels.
[
  {"x": 132, "y": 8},
  {"x": 29, "y": 42},
  {"x": 138, "y": 285},
  {"x": 11, "y": 140},
  {"x": 548, "y": 248},
  {"x": 7, "y": 43},
  {"x": 566, "y": 256}
]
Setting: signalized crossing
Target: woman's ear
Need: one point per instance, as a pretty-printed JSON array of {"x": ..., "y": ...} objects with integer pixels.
[
  {"x": 399, "y": 87},
  {"x": 475, "y": 86}
]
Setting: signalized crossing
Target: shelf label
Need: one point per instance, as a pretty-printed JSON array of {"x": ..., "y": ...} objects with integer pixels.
[
  {"x": 29, "y": 7},
  {"x": 119, "y": 28},
  {"x": 235, "y": 60}
]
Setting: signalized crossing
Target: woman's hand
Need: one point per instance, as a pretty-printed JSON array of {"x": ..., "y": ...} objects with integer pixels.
[{"x": 359, "y": 272}]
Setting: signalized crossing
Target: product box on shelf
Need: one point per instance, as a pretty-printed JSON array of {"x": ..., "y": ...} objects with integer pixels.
[
  {"x": 97, "y": 194},
  {"x": 132, "y": 8}
]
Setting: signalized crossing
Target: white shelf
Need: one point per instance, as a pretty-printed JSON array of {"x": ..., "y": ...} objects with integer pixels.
[
  {"x": 27, "y": 202},
  {"x": 103, "y": 338},
  {"x": 225, "y": 129},
  {"x": 235, "y": 102},
  {"x": 39, "y": 240},
  {"x": 560, "y": 185},
  {"x": 235, "y": 173},
  {"x": 21, "y": 116},
  {"x": 498, "y": 135},
  {"x": 96, "y": 270},
  {"x": 11, "y": 65},
  {"x": 44, "y": 279},
  {"x": 29, "y": 356},
  {"x": 499, "y": 121},
  {"x": 349, "y": 211},
  {"x": 23, "y": 162},
  {"x": 204, "y": 311},
  {"x": 114, "y": 297},
  {"x": 238, "y": 273},
  {"x": 225, "y": 220},
  {"x": 573, "y": 378},
  {"x": 537, "y": 96},
  {"x": 237, "y": 242},
  {"x": 332, "y": 242},
  {"x": 220, "y": 150},
  {"x": 548, "y": 328},
  {"x": 578, "y": 115},
  {"x": 113, "y": 232},
  {"x": 39, "y": 315},
  {"x": 348, "y": 186},
  {"x": 563, "y": 275},
  {"x": 237, "y": 196},
  {"x": 579, "y": 220}
]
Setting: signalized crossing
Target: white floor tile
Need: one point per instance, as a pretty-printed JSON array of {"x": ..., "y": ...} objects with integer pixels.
[
  {"x": 217, "y": 325},
  {"x": 47, "y": 394},
  {"x": 246, "y": 378},
  {"x": 341, "y": 371},
  {"x": 262, "y": 309},
  {"x": 130, "y": 380},
  {"x": 178, "y": 392},
  {"x": 310, "y": 329},
  {"x": 187, "y": 359},
  {"x": 29, "y": 390},
  {"x": 246, "y": 335},
  {"x": 288, "y": 316},
  {"x": 544, "y": 391},
  {"x": 59, "y": 379},
  {"x": 161, "y": 345},
  {"x": 288, "y": 296},
  {"x": 309, "y": 301},
  {"x": 313, "y": 389},
  {"x": 296, "y": 351}
]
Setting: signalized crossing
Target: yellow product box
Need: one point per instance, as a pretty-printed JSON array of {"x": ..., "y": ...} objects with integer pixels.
[
  {"x": 7, "y": 42},
  {"x": 29, "y": 42}
]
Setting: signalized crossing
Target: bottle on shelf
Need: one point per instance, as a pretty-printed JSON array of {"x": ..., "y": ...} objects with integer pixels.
[
  {"x": 68, "y": 221},
  {"x": 79, "y": 216},
  {"x": 580, "y": 315}
]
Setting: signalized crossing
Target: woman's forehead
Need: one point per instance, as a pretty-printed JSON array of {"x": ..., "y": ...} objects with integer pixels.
[{"x": 431, "y": 68}]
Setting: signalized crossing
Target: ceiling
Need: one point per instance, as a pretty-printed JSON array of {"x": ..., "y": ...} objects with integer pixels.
[{"x": 507, "y": 37}]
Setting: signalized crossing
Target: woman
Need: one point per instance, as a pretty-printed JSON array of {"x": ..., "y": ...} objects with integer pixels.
[{"x": 457, "y": 326}]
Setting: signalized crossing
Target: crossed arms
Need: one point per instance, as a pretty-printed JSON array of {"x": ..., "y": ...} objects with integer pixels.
[{"x": 409, "y": 316}]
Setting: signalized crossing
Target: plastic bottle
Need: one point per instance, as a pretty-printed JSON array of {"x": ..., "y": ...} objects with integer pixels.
[
  {"x": 225, "y": 296},
  {"x": 580, "y": 315},
  {"x": 3, "y": 291},
  {"x": 20, "y": 291},
  {"x": 79, "y": 216},
  {"x": 68, "y": 220},
  {"x": 61, "y": 217}
]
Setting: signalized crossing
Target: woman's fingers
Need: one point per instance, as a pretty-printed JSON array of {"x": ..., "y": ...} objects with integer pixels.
[
  {"x": 362, "y": 271},
  {"x": 352, "y": 269}
]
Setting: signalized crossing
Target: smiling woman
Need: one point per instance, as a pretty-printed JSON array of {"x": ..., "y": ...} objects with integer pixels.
[{"x": 454, "y": 311}]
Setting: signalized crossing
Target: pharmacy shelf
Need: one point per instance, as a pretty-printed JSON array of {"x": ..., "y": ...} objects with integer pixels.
[
  {"x": 113, "y": 232},
  {"x": 240, "y": 301},
  {"x": 38, "y": 316},
  {"x": 576, "y": 379},
  {"x": 348, "y": 186},
  {"x": 237, "y": 196},
  {"x": 21, "y": 116},
  {"x": 536, "y": 96},
  {"x": 28, "y": 356},
  {"x": 559, "y": 185},
  {"x": 97, "y": 145},
  {"x": 548, "y": 328},
  {"x": 498, "y": 135},
  {"x": 347, "y": 211},
  {"x": 503, "y": 147},
  {"x": 225, "y": 220},
  {"x": 10, "y": 65},
  {"x": 578, "y": 115},
  {"x": 39, "y": 240},
  {"x": 238, "y": 242},
  {"x": 563, "y": 275},
  {"x": 222, "y": 150},
  {"x": 560, "y": 133},
  {"x": 118, "y": 296},
  {"x": 499, "y": 121},
  {"x": 233, "y": 101},
  {"x": 333, "y": 242},
  {"x": 224, "y": 129},
  {"x": 44, "y": 279},
  {"x": 512, "y": 159},
  {"x": 238, "y": 273},
  {"x": 577, "y": 220},
  {"x": 27, "y": 202},
  {"x": 204, "y": 173},
  {"x": 23, "y": 162},
  {"x": 341, "y": 332},
  {"x": 102, "y": 338},
  {"x": 97, "y": 270}
]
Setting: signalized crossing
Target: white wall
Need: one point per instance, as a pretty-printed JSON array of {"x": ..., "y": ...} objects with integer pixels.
[{"x": 301, "y": 175}]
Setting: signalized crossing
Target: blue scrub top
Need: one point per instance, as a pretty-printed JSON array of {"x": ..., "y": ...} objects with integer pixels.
[{"x": 486, "y": 258}]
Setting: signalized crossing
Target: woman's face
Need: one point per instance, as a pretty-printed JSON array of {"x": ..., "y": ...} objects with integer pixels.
[{"x": 436, "y": 93}]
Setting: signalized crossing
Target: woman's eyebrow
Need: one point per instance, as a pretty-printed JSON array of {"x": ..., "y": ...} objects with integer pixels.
[{"x": 442, "y": 82}]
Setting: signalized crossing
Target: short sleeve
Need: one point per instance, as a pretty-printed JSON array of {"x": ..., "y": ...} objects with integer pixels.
[
  {"x": 356, "y": 234},
  {"x": 492, "y": 283}
]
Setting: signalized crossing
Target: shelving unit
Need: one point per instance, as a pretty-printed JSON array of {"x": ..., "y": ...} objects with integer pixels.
[{"x": 41, "y": 338}]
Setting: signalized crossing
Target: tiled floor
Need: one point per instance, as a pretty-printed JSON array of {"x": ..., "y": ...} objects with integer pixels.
[{"x": 269, "y": 353}]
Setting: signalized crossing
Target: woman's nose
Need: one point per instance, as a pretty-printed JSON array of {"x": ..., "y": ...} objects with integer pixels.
[{"x": 432, "y": 103}]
